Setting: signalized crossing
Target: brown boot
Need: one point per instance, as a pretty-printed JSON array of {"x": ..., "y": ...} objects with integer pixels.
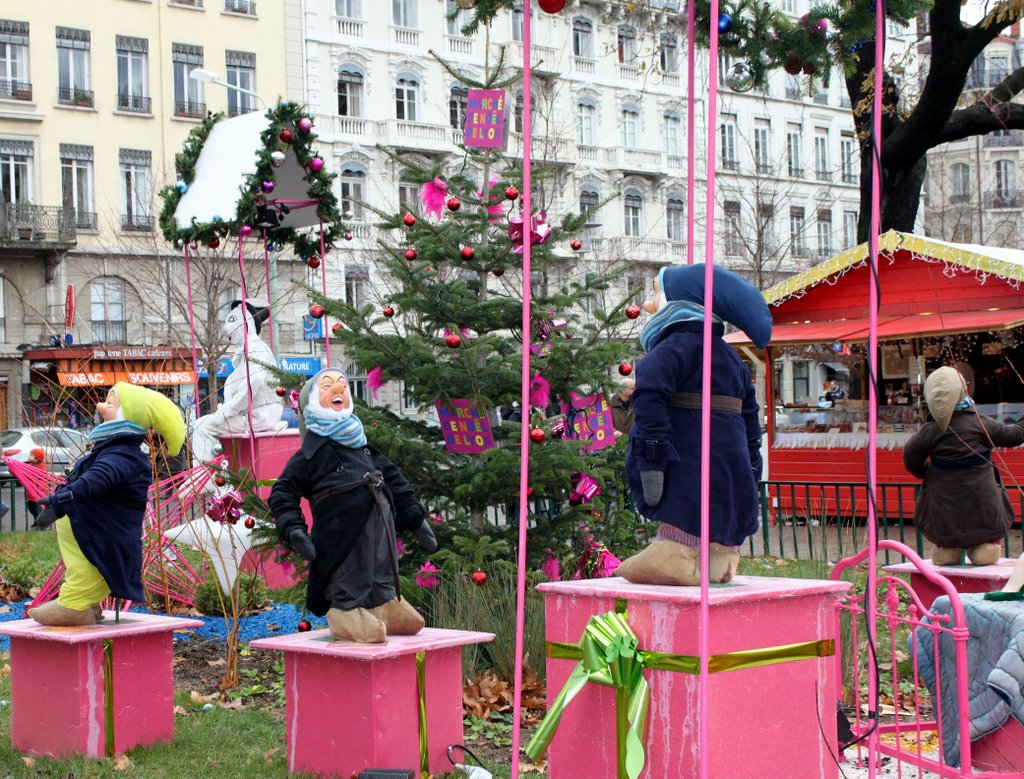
[
  {"x": 723, "y": 563},
  {"x": 53, "y": 614},
  {"x": 97, "y": 611},
  {"x": 947, "y": 555},
  {"x": 662, "y": 562},
  {"x": 399, "y": 618},
  {"x": 356, "y": 625},
  {"x": 984, "y": 554}
]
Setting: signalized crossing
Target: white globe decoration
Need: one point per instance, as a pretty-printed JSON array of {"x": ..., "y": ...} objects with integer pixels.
[
  {"x": 277, "y": 158},
  {"x": 740, "y": 77}
]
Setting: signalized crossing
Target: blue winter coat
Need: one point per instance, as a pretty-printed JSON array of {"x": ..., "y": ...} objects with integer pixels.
[
  {"x": 666, "y": 438},
  {"x": 105, "y": 499}
]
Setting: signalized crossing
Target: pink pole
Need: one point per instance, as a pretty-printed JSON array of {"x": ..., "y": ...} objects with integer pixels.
[
  {"x": 270, "y": 319},
  {"x": 323, "y": 282},
  {"x": 876, "y": 177},
  {"x": 192, "y": 324},
  {"x": 524, "y": 439},
  {"x": 691, "y": 136},
  {"x": 245, "y": 343}
]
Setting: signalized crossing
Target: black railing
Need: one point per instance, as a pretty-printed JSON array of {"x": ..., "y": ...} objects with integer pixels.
[
  {"x": 849, "y": 177},
  {"x": 1004, "y": 198},
  {"x": 22, "y": 222},
  {"x": 136, "y": 104},
  {"x": 240, "y": 7},
  {"x": 823, "y": 175},
  {"x": 137, "y": 223},
  {"x": 17, "y": 90},
  {"x": 74, "y": 96},
  {"x": 960, "y": 197},
  {"x": 194, "y": 3},
  {"x": 238, "y": 110},
  {"x": 189, "y": 109},
  {"x": 107, "y": 331},
  {"x": 730, "y": 164},
  {"x": 796, "y": 173},
  {"x": 85, "y": 220}
]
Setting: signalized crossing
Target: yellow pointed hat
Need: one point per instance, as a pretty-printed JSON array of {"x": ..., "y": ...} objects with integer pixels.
[
  {"x": 943, "y": 389},
  {"x": 150, "y": 409}
]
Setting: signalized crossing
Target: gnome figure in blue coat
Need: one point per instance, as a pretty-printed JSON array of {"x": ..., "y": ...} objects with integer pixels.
[
  {"x": 663, "y": 462},
  {"x": 358, "y": 499},
  {"x": 99, "y": 511}
]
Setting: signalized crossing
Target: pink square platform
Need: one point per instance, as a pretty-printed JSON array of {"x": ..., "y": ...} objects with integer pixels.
[
  {"x": 965, "y": 578},
  {"x": 351, "y": 706},
  {"x": 772, "y": 722},
  {"x": 59, "y": 704}
]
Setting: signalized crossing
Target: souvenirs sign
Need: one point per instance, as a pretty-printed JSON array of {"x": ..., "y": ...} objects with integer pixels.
[
  {"x": 485, "y": 118},
  {"x": 464, "y": 427},
  {"x": 590, "y": 421}
]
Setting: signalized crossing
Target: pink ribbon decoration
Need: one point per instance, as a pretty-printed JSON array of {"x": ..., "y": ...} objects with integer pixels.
[
  {"x": 494, "y": 210},
  {"x": 551, "y": 568},
  {"x": 374, "y": 381},
  {"x": 539, "y": 230},
  {"x": 584, "y": 489},
  {"x": 433, "y": 195},
  {"x": 293, "y": 396},
  {"x": 607, "y": 563},
  {"x": 226, "y": 508}
]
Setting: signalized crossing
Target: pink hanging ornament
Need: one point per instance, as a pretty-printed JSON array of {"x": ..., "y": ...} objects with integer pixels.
[
  {"x": 551, "y": 568},
  {"x": 540, "y": 391},
  {"x": 495, "y": 209},
  {"x": 607, "y": 564},
  {"x": 539, "y": 230},
  {"x": 226, "y": 508},
  {"x": 374, "y": 381},
  {"x": 433, "y": 195},
  {"x": 584, "y": 489}
]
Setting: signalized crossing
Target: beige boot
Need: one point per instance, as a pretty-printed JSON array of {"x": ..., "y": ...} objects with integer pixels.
[
  {"x": 399, "y": 618},
  {"x": 53, "y": 614},
  {"x": 723, "y": 563},
  {"x": 97, "y": 611},
  {"x": 984, "y": 554},
  {"x": 662, "y": 562},
  {"x": 946, "y": 555},
  {"x": 356, "y": 625}
]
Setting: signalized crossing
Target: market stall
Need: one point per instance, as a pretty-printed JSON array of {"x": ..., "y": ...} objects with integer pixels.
[{"x": 940, "y": 304}]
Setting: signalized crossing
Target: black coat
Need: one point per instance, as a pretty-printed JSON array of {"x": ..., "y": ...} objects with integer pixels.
[{"x": 316, "y": 472}]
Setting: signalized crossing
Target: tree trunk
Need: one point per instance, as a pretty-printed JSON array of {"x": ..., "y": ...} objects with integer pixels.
[{"x": 900, "y": 196}]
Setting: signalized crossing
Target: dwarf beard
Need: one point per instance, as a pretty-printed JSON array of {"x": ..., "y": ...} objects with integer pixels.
[{"x": 315, "y": 409}]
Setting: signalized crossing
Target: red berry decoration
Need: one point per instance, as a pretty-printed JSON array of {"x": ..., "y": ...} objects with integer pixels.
[
  {"x": 511, "y": 193},
  {"x": 337, "y": 328},
  {"x": 409, "y": 220},
  {"x": 220, "y": 481},
  {"x": 499, "y": 272},
  {"x": 249, "y": 523},
  {"x": 793, "y": 66},
  {"x": 410, "y": 254},
  {"x": 632, "y": 312},
  {"x": 454, "y": 204},
  {"x": 313, "y": 262},
  {"x": 625, "y": 369},
  {"x": 575, "y": 244},
  {"x": 214, "y": 243},
  {"x": 551, "y": 6},
  {"x": 304, "y": 626},
  {"x": 389, "y": 311},
  {"x": 316, "y": 311},
  {"x": 453, "y": 340},
  {"x": 467, "y": 252},
  {"x": 537, "y": 435},
  {"x": 479, "y": 578}
]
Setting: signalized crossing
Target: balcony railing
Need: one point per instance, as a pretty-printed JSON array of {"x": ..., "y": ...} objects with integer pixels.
[
  {"x": 247, "y": 7},
  {"x": 15, "y": 90},
  {"x": 1006, "y": 198},
  {"x": 543, "y": 59},
  {"x": 405, "y": 36},
  {"x": 792, "y": 93},
  {"x": 238, "y": 110},
  {"x": 1004, "y": 138},
  {"x": 351, "y": 28},
  {"x": 85, "y": 220},
  {"x": 136, "y": 104},
  {"x": 730, "y": 164},
  {"x": 588, "y": 153},
  {"x": 800, "y": 251},
  {"x": 22, "y": 222},
  {"x": 626, "y": 158},
  {"x": 849, "y": 177},
  {"x": 960, "y": 197},
  {"x": 193, "y": 3},
  {"x": 330, "y": 128},
  {"x": 670, "y": 80},
  {"x": 823, "y": 175},
  {"x": 821, "y": 98},
  {"x": 189, "y": 109},
  {"x": 585, "y": 65},
  {"x": 137, "y": 223},
  {"x": 629, "y": 72},
  {"x": 109, "y": 331},
  {"x": 796, "y": 173},
  {"x": 73, "y": 96},
  {"x": 458, "y": 44},
  {"x": 416, "y": 135}
]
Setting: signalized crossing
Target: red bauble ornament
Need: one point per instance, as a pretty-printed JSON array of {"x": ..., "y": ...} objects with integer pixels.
[
  {"x": 529, "y": 492},
  {"x": 249, "y": 523},
  {"x": 337, "y": 328},
  {"x": 793, "y": 66},
  {"x": 313, "y": 262},
  {"x": 281, "y": 392},
  {"x": 304, "y": 626},
  {"x": 286, "y": 136},
  {"x": 499, "y": 272},
  {"x": 575, "y": 244},
  {"x": 511, "y": 193},
  {"x": 409, "y": 220},
  {"x": 453, "y": 340},
  {"x": 810, "y": 68},
  {"x": 316, "y": 311},
  {"x": 537, "y": 435},
  {"x": 551, "y": 6},
  {"x": 220, "y": 481},
  {"x": 389, "y": 311},
  {"x": 625, "y": 369},
  {"x": 479, "y": 578},
  {"x": 454, "y": 204},
  {"x": 410, "y": 254},
  {"x": 632, "y": 312},
  {"x": 467, "y": 252},
  {"x": 214, "y": 243}
]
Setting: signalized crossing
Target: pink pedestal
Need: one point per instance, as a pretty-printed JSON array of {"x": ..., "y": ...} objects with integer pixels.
[
  {"x": 58, "y": 698},
  {"x": 771, "y": 722},
  {"x": 265, "y": 462},
  {"x": 1002, "y": 751},
  {"x": 354, "y": 706},
  {"x": 965, "y": 578}
]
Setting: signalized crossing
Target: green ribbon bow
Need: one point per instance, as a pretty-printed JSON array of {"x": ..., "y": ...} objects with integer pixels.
[{"x": 609, "y": 655}]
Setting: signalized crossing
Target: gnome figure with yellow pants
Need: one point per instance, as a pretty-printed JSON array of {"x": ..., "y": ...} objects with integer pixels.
[
  {"x": 358, "y": 499},
  {"x": 99, "y": 511}
]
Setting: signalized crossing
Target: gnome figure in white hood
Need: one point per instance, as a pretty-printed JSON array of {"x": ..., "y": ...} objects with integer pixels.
[{"x": 358, "y": 499}]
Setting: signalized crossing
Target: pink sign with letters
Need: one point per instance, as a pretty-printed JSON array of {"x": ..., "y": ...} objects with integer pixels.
[
  {"x": 591, "y": 419},
  {"x": 485, "y": 118},
  {"x": 465, "y": 429}
]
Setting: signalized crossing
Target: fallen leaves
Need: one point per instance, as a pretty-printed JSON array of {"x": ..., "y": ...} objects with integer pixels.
[
  {"x": 486, "y": 694},
  {"x": 268, "y": 757},
  {"x": 122, "y": 763}
]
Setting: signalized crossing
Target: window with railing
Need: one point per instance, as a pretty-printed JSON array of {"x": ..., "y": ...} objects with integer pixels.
[
  {"x": 675, "y": 218},
  {"x": 630, "y": 127},
  {"x": 668, "y": 53},
  {"x": 76, "y": 168},
  {"x": 794, "y": 153},
  {"x": 357, "y": 286},
  {"x": 350, "y": 91},
  {"x": 73, "y": 78},
  {"x": 632, "y": 212},
  {"x": 241, "y": 73},
  {"x": 247, "y": 7},
  {"x": 793, "y": 88},
  {"x": 136, "y": 190},
  {"x": 824, "y": 234},
  {"x": 848, "y": 152},
  {"x": 731, "y": 238},
  {"x": 107, "y": 309},
  {"x": 628, "y": 46},
  {"x": 349, "y": 9},
  {"x": 960, "y": 174},
  {"x": 728, "y": 140},
  {"x": 14, "y": 82},
  {"x": 404, "y": 13},
  {"x": 351, "y": 180},
  {"x": 16, "y": 163},
  {"x": 762, "y": 149},
  {"x": 132, "y": 74},
  {"x": 458, "y": 105},
  {"x": 582, "y": 37},
  {"x": 672, "y": 133},
  {"x": 589, "y": 202},
  {"x": 1005, "y": 179},
  {"x": 821, "y": 164},
  {"x": 406, "y": 93},
  {"x": 188, "y": 92},
  {"x": 849, "y": 229},
  {"x": 797, "y": 224},
  {"x": 586, "y": 123}
]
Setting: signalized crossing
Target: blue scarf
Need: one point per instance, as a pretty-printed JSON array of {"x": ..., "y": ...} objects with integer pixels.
[
  {"x": 671, "y": 313},
  {"x": 115, "y": 427},
  {"x": 964, "y": 405},
  {"x": 347, "y": 432}
]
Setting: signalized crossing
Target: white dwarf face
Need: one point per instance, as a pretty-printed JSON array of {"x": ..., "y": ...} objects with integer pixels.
[
  {"x": 330, "y": 398},
  {"x": 654, "y": 303},
  {"x": 110, "y": 409},
  {"x": 233, "y": 328}
]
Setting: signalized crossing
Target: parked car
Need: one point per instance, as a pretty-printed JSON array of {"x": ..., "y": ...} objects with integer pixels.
[{"x": 61, "y": 446}]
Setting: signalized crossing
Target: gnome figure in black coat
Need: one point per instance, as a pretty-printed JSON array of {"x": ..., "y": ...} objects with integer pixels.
[{"x": 359, "y": 499}]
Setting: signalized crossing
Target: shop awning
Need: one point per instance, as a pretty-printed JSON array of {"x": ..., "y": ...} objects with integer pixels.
[
  {"x": 109, "y": 378},
  {"x": 890, "y": 328}
]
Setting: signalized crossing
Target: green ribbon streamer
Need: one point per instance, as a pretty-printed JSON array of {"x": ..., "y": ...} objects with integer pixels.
[
  {"x": 108, "y": 692},
  {"x": 421, "y": 689},
  {"x": 609, "y": 655}
]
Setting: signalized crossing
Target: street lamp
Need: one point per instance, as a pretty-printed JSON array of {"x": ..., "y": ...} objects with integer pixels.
[{"x": 209, "y": 77}]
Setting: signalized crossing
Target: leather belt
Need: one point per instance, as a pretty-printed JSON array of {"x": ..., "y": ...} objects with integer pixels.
[{"x": 692, "y": 400}]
